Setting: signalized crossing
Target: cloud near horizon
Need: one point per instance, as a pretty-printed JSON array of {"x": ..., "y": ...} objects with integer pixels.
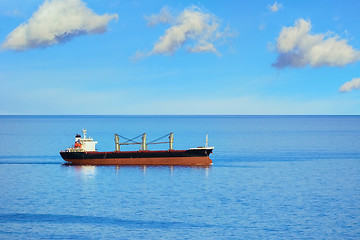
[
  {"x": 350, "y": 85},
  {"x": 297, "y": 47},
  {"x": 193, "y": 26},
  {"x": 56, "y": 21}
]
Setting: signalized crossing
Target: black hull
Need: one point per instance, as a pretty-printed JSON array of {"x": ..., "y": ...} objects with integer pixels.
[{"x": 172, "y": 157}]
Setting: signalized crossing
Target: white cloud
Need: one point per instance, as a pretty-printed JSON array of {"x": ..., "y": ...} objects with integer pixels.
[
  {"x": 351, "y": 85},
  {"x": 54, "y": 22},
  {"x": 203, "y": 47},
  {"x": 163, "y": 17},
  {"x": 193, "y": 26},
  {"x": 297, "y": 47},
  {"x": 275, "y": 7}
]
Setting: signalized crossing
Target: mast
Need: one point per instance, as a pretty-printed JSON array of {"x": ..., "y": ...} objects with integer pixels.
[
  {"x": 171, "y": 141},
  {"x": 84, "y": 132},
  {"x": 143, "y": 143},
  {"x": 117, "y": 145}
]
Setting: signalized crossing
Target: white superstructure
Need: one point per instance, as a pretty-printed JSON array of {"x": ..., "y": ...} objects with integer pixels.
[{"x": 83, "y": 144}]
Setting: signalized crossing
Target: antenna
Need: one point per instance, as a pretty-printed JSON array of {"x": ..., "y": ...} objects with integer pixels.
[{"x": 84, "y": 132}]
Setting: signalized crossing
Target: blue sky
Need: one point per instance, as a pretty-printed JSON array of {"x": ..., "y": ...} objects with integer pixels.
[{"x": 179, "y": 57}]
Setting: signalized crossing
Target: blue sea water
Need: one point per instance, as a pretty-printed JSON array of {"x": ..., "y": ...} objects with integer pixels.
[{"x": 273, "y": 177}]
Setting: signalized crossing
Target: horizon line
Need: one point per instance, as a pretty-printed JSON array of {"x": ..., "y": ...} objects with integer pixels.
[{"x": 165, "y": 115}]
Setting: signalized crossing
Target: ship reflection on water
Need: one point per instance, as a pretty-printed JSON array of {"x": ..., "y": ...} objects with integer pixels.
[
  {"x": 87, "y": 170},
  {"x": 90, "y": 170}
]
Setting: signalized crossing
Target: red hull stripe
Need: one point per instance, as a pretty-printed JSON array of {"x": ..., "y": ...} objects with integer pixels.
[{"x": 184, "y": 161}]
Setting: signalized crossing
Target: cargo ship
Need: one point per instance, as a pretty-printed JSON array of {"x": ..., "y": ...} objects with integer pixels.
[{"x": 83, "y": 152}]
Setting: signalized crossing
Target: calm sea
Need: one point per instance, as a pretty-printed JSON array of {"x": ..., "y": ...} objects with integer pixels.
[{"x": 274, "y": 177}]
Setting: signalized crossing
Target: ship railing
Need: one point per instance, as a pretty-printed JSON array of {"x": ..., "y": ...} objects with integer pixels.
[{"x": 75, "y": 150}]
